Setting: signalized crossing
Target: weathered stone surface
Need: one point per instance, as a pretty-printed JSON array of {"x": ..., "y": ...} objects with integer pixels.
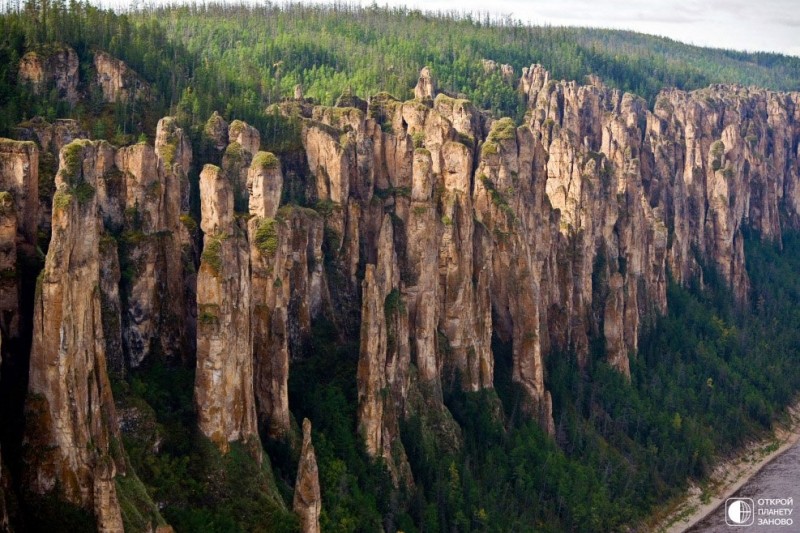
[
  {"x": 51, "y": 66},
  {"x": 289, "y": 290},
  {"x": 545, "y": 235},
  {"x": 307, "y": 499},
  {"x": 329, "y": 161},
  {"x": 19, "y": 175},
  {"x": 224, "y": 393},
  {"x": 72, "y": 428},
  {"x": 244, "y": 143},
  {"x": 215, "y": 138},
  {"x": 153, "y": 192},
  {"x": 384, "y": 356},
  {"x": 117, "y": 81},
  {"x": 506, "y": 71},
  {"x": 9, "y": 291},
  {"x": 264, "y": 185},
  {"x": 50, "y": 138},
  {"x": 426, "y": 87}
]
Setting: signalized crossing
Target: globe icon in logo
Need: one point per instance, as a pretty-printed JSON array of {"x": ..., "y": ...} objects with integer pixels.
[{"x": 739, "y": 512}]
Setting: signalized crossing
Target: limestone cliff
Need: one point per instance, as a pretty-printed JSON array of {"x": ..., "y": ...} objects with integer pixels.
[
  {"x": 546, "y": 235},
  {"x": 244, "y": 141},
  {"x": 54, "y": 66},
  {"x": 154, "y": 187},
  {"x": 117, "y": 81},
  {"x": 289, "y": 287},
  {"x": 72, "y": 434},
  {"x": 307, "y": 500},
  {"x": 50, "y": 139},
  {"x": 19, "y": 175},
  {"x": 427, "y": 228},
  {"x": 19, "y": 211},
  {"x": 224, "y": 392}
]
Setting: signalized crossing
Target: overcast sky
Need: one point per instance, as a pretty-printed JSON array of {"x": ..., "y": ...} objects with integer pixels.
[{"x": 767, "y": 25}]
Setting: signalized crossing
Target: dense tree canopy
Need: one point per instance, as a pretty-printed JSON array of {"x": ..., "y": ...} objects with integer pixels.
[{"x": 238, "y": 59}]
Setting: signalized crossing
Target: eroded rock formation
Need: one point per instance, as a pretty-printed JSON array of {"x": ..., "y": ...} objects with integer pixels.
[
  {"x": 53, "y": 66},
  {"x": 425, "y": 227},
  {"x": 155, "y": 189},
  {"x": 50, "y": 138},
  {"x": 307, "y": 500},
  {"x": 72, "y": 430},
  {"x": 118, "y": 82},
  {"x": 289, "y": 287},
  {"x": 224, "y": 392}
]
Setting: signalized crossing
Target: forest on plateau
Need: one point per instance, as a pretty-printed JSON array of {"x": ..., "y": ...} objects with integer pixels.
[{"x": 544, "y": 284}]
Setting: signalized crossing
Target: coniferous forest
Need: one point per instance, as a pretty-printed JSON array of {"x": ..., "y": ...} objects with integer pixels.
[{"x": 709, "y": 376}]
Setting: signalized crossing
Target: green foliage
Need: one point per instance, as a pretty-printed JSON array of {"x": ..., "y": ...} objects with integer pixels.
[
  {"x": 49, "y": 513},
  {"x": 72, "y": 155},
  {"x": 266, "y": 160},
  {"x": 490, "y": 148},
  {"x": 267, "y": 237},
  {"x": 502, "y": 130},
  {"x": 138, "y": 512},
  {"x": 61, "y": 200},
  {"x": 195, "y": 486},
  {"x": 212, "y": 253},
  {"x": 189, "y": 223},
  {"x": 357, "y": 492},
  {"x": 418, "y": 139},
  {"x": 83, "y": 192}
]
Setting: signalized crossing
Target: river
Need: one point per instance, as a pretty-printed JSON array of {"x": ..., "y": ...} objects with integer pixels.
[{"x": 778, "y": 480}]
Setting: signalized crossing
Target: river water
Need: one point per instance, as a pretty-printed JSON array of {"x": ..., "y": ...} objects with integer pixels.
[{"x": 778, "y": 480}]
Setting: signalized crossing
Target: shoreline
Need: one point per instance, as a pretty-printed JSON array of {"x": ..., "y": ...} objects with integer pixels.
[{"x": 729, "y": 476}]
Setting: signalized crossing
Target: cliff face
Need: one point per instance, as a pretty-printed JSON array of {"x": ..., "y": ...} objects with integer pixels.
[
  {"x": 55, "y": 66},
  {"x": 118, "y": 82},
  {"x": 307, "y": 500},
  {"x": 50, "y": 139},
  {"x": 431, "y": 230},
  {"x": 154, "y": 195},
  {"x": 73, "y": 434},
  {"x": 547, "y": 235},
  {"x": 224, "y": 381}
]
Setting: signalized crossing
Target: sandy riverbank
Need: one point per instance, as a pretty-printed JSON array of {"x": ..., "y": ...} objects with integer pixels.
[{"x": 728, "y": 477}]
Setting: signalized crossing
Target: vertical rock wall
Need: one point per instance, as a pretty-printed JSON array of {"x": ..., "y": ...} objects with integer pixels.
[{"x": 72, "y": 432}]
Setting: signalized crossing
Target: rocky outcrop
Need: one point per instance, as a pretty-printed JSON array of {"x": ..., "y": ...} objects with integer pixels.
[
  {"x": 224, "y": 393},
  {"x": 244, "y": 141},
  {"x": 289, "y": 290},
  {"x": 430, "y": 230},
  {"x": 117, "y": 81},
  {"x": 155, "y": 193},
  {"x": 50, "y": 138},
  {"x": 506, "y": 71},
  {"x": 384, "y": 356},
  {"x": 546, "y": 235},
  {"x": 9, "y": 279},
  {"x": 72, "y": 431},
  {"x": 19, "y": 175},
  {"x": 214, "y": 139},
  {"x": 54, "y": 66},
  {"x": 307, "y": 500},
  {"x": 426, "y": 86},
  {"x": 636, "y": 190},
  {"x": 19, "y": 216}
]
